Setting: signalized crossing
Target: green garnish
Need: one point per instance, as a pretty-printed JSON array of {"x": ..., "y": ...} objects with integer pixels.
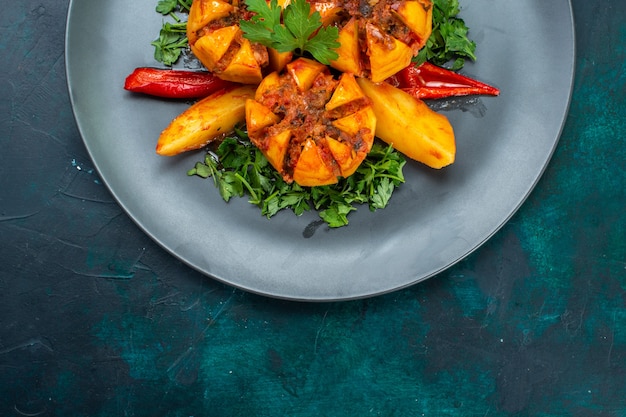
[
  {"x": 238, "y": 168},
  {"x": 449, "y": 43},
  {"x": 170, "y": 7},
  {"x": 301, "y": 31},
  {"x": 172, "y": 38}
]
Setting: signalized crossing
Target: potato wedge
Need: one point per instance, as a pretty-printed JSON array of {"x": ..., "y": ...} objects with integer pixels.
[
  {"x": 410, "y": 126},
  {"x": 206, "y": 120}
]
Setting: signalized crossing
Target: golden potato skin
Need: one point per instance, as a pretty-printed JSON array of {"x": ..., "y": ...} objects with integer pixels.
[
  {"x": 205, "y": 121},
  {"x": 312, "y": 128},
  {"x": 410, "y": 126}
]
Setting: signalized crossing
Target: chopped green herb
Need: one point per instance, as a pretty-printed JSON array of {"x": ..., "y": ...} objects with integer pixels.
[
  {"x": 167, "y": 7},
  {"x": 301, "y": 31},
  {"x": 449, "y": 43},
  {"x": 172, "y": 38},
  {"x": 238, "y": 168},
  {"x": 171, "y": 42}
]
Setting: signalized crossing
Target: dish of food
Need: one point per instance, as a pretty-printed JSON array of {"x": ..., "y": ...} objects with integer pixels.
[{"x": 436, "y": 218}]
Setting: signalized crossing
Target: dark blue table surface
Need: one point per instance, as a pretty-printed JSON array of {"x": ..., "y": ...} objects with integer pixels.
[{"x": 97, "y": 320}]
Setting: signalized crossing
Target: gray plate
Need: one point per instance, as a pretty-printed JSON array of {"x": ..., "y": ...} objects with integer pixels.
[{"x": 526, "y": 48}]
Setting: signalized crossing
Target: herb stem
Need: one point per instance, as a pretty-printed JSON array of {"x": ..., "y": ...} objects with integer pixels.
[
  {"x": 246, "y": 184},
  {"x": 186, "y": 5}
]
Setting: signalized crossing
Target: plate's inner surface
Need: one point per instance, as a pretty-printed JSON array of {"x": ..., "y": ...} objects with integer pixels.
[{"x": 435, "y": 219}]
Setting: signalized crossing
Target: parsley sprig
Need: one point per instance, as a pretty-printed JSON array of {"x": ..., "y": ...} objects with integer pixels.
[
  {"x": 449, "y": 43},
  {"x": 172, "y": 38},
  {"x": 238, "y": 168},
  {"x": 300, "y": 31},
  {"x": 170, "y": 7}
]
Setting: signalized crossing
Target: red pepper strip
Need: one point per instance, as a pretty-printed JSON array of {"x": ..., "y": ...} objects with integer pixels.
[
  {"x": 174, "y": 83},
  {"x": 429, "y": 81}
]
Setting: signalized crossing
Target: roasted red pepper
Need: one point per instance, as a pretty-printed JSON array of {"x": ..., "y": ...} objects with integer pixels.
[
  {"x": 178, "y": 84},
  {"x": 429, "y": 81}
]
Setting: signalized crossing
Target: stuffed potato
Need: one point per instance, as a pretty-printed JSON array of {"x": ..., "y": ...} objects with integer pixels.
[
  {"x": 312, "y": 127},
  {"x": 217, "y": 41},
  {"x": 378, "y": 37}
]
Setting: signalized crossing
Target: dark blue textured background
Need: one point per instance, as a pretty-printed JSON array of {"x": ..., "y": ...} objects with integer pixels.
[{"x": 97, "y": 320}]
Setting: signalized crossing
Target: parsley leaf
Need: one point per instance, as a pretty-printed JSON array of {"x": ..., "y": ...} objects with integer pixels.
[
  {"x": 172, "y": 38},
  {"x": 298, "y": 22},
  {"x": 166, "y": 6},
  {"x": 170, "y": 43},
  {"x": 260, "y": 27},
  {"x": 449, "y": 42},
  {"x": 238, "y": 169},
  {"x": 267, "y": 15},
  {"x": 301, "y": 30}
]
